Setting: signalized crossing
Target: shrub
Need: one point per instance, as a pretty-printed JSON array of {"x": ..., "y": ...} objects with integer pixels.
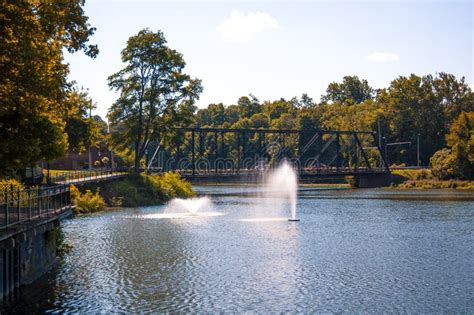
[
  {"x": 89, "y": 202},
  {"x": 424, "y": 174},
  {"x": 442, "y": 164},
  {"x": 9, "y": 186},
  {"x": 145, "y": 190},
  {"x": 74, "y": 191},
  {"x": 178, "y": 186}
]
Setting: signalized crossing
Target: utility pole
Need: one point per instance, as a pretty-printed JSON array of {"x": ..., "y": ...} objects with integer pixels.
[
  {"x": 418, "y": 150},
  {"x": 379, "y": 132},
  {"x": 393, "y": 144},
  {"x": 110, "y": 150},
  {"x": 90, "y": 154}
]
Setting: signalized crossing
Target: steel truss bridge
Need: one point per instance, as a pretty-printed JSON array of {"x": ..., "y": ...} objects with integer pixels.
[{"x": 220, "y": 152}]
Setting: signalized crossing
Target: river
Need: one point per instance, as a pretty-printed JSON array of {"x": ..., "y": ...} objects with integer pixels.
[{"x": 374, "y": 251}]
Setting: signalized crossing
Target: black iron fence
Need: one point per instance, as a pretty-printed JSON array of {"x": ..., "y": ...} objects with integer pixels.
[{"x": 20, "y": 206}]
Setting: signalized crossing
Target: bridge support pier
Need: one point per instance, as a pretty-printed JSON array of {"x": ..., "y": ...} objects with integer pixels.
[{"x": 372, "y": 180}]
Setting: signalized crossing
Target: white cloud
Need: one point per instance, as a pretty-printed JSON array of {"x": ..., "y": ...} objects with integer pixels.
[
  {"x": 242, "y": 28},
  {"x": 382, "y": 57}
]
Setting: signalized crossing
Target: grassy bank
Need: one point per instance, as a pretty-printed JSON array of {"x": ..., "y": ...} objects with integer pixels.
[
  {"x": 424, "y": 179},
  {"x": 132, "y": 191}
]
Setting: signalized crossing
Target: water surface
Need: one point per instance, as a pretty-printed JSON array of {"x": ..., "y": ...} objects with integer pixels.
[{"x": 353, "y": 251}]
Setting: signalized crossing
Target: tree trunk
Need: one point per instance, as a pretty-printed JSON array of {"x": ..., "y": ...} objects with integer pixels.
[{"x": 136, "y": 169}]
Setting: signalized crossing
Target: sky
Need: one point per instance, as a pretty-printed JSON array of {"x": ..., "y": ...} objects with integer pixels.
[{"x": 281, "y": 49}]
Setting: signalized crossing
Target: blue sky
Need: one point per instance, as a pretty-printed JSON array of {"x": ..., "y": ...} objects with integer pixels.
[{"x": 276, "y": 49}]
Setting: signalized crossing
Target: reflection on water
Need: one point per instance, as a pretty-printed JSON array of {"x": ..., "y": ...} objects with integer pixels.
[
  {"x": 180, "y": 215},
  {"x": 264, "y": 220},
  {"x": 358, "y": 251}
]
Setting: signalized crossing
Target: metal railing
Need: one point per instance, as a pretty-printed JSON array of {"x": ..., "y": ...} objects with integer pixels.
[
  {"x": 71, "y": 177},
  {"x": 323, "y": 170},
  {"x": 22, "y": 206}
]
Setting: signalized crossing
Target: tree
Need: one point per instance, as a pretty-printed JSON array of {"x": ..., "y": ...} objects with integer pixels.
[
  {"x": 151, "y": 84},
  {"x": 461, "y": 141},
  {"x": 304, "y": 102},
  {"x": 82, "y": 130},
  {"x": 248, "y": 106},
  {"x": 454, "y": 95},
  {"x": 216, "y": 114},
  {"x": 458, "y": 160},
  {"x": 277, "y": 108},
  {"x": 33, "y": 77},
  {"x": 259, "y": 121},
  {"x": 203, "y": 117},
  {"x": 412, "y": 107},
  {"x": 351, "y": 89},
  {"x": 232, "y": 114},
  {"x": 442, "y": 164}
]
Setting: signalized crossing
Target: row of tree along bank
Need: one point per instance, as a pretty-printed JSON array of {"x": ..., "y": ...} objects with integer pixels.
[{"x": 419, "y": 119}]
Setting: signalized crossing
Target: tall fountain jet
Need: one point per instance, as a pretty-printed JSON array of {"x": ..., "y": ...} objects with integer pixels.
[{"x": 284, "y": 182}]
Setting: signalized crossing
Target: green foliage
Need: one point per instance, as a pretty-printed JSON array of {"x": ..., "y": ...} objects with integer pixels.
[
  {"x": 414, "y": 174},
  {"x": 461, "y": 141},
  {"x": 56, "y": 236},
  {"x": 442, "y": 164},
  {"x": 248, "y": 106},
  {"x": 74, "y": 192},
  {"x": 89, "y": 202},
  {"x": 11, "y": 186},
  {"x": 436, "y": 184},
  {"x": 152, "y": 87},
  {"x": 428, "y": 179},
  {"x": 33, "y": 77},
  {"x": 82, "y": 131},
  {"x": 142, "y": 190},
  {"x": 174, "y": 185},
  {"x": 351, "y": 90},
  {"x": 422, "y": 105},
  {"x": 458, "y": 161}
]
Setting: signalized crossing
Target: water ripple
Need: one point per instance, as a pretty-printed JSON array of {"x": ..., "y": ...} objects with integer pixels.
[{"x": 347, "y": 254}]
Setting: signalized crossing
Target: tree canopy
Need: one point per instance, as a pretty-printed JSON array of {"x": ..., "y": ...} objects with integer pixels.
[
  {"x": 410, "y": 106},
  {"x": 351, "y": 90},
  {"x": 152, "y": 86},
  {"x": 33, "y": 77}
]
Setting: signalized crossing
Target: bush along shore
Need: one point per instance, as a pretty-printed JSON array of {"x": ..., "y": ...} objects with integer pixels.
[
  {"x": 424, "y": 179},
  {"x": 131, "y": 191}
]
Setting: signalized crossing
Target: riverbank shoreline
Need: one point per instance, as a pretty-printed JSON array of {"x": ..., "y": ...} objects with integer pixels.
[{"x": 424, "y": 179}]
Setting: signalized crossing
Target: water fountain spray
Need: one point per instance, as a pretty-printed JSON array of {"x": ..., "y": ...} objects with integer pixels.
[{"x": 284, "y": 182}]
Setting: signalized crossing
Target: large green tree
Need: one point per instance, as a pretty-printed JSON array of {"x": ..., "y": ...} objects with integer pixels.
[
  {"x": 424, "y": 106},
  {"x": 151, "y": 84},
  {"x": 82, "y": 129},
  {"x": 33, "y": 83},
  {"x": 350, "y": 90},
  {"x": 458, "y": 160},
  {"x": 461, "y": 141}
]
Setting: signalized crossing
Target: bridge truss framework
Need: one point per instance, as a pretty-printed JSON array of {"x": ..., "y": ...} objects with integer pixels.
[{"x": 219, "y": 151}]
